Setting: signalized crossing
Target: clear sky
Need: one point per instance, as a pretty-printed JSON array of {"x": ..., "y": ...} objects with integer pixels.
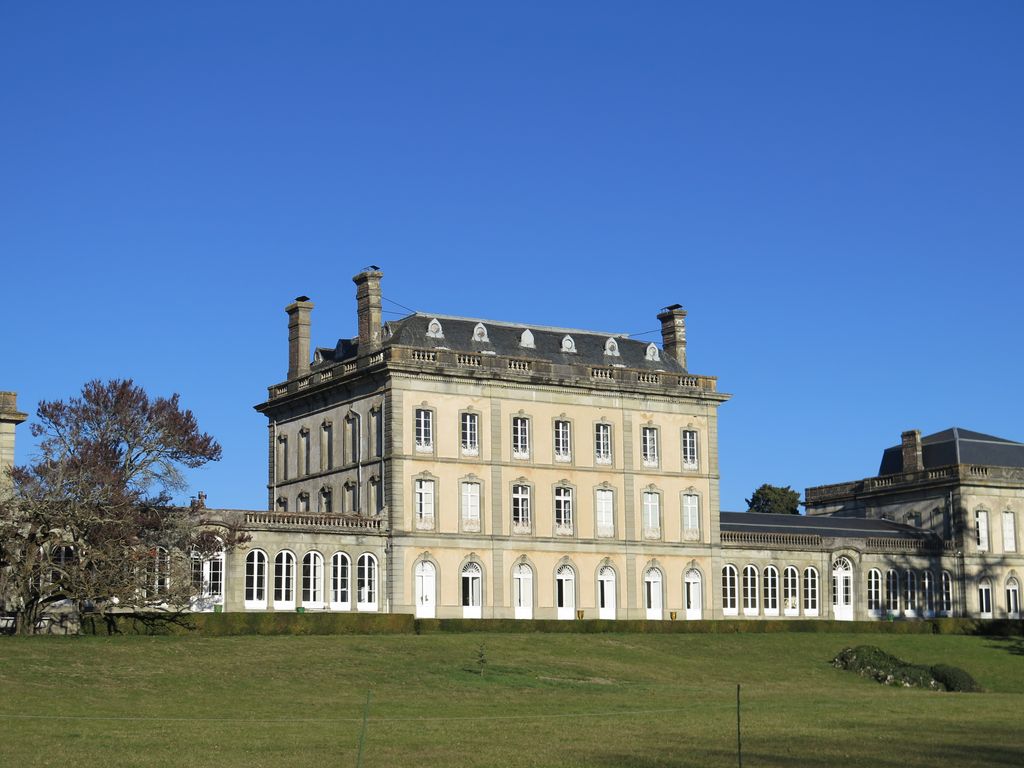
[{"x": 834, "y": 191}]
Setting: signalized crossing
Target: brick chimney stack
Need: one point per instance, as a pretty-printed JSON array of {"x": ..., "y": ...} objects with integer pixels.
[
  {"x": 10, "y": 417},
  {"x": 368, "y": 306},
  {"x": 298, "y": 336},
  {"x": 673, "y": 333},
  {"x": 912, "y": 461}
]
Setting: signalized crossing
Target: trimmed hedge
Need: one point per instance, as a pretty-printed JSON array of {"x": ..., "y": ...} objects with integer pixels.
[
  {"x": 286, "y": 623},
  {"x": 871, "y": 661}
]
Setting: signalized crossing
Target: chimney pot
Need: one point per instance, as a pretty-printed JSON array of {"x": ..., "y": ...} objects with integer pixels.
[
  {"x": 911, "y": 444},
  {"x": 298, "y": 336},
  {"x": 673, "y": 333},
  {"x": 368, "y": 308}
]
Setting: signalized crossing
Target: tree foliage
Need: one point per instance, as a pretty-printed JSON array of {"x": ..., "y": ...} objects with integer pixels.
[
  {"x": 774, "y": 499},
  {"x": 89, "y": 523}
]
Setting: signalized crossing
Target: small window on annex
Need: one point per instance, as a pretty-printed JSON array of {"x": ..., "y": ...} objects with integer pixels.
[
  {"x": 366, "y": 582},
  {"x": 729, "y": 603},
  {"x": 771, "y": 591},
  {"x": 810, "y": 592},
  {"x": 790, "y": 591},
  {"x": 341, "y": 570},
  {"x": 256, "y": 579},
  {"x": 874, "y": 592}
]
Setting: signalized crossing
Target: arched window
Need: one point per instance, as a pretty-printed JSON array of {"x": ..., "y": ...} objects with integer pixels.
[
  {"x": 693, "y": 594},
  {"x": 426, "y": 589},
  {"x": 946, "y": 598},
  {"x": 256, "y": 579},
  {"x": 1012, "y": 598},
  {"x": 207, "y": 580},
  {"x": 842, "y": 589},
  {"x": 810, "y": 591},
  {"x": 928, "y": 593},
  {"x": 790, "y": 591},
  {"x": 910, "y": 593},
  {"x": 522, "y": 591},
  {"x": 472, "y": 591},
  {"x": 729, "y": 607},
  {"x": 159, "y": 577},
  {"x": 771, "y": 591},
  {"x": 652, "y": 594},
  {"x": 750, "y": 588},
  {"x": 284, "y": 580},
  {"x": 874, "y": 592},
  {"x": 606, "y": 593},
  {"x": 313, "y": 581},
  {"x": 892, "y": 592},
  {"x": 565, "y": 592},
  {"x": 985, "y": 599},
  {"x": 366, "y": 582},
  {"x": 341, "y": 567}
]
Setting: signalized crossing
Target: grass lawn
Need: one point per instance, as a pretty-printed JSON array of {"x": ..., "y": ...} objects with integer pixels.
[{"x": 543, "y": 700}]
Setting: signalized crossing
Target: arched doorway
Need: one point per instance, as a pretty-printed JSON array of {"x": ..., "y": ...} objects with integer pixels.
[
  {"x": 842, "y": 590},
  {"x": 426, "y": 590}
]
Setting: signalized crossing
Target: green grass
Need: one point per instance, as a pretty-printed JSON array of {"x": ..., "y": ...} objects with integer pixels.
[{"x": 543, "y": 700}]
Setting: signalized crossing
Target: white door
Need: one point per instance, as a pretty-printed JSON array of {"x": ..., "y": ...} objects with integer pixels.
[
  {"x": 692, "y": 585},
  {"x": 565, "y": 592},
  {"x": 606, "y": 593},
  {"x": 652, "y": 594},
  {"x": 842, "y": 590},
  {"x": 425, "y": 590},
  {"x": 522, "y": 588}
]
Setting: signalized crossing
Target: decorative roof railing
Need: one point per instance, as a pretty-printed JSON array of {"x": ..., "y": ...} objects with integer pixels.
[
  {"x": 302, "y": 520},
  {"x": 965, "y": 473},
  {"x": 766, "y": 538}
]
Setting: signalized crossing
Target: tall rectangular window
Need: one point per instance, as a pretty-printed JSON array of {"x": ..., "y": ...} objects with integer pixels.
[
  {"x": 326, "y": 446},
  {"x": 282, "y": 458},
  {"x": 520, "y": 437},
  {"x": 981, "y": 529},
  {"x": 563, "y": 510},
  {"x": 469, "y": 430},
  {"x": 424, "y": 502},
  {"x": 649, "y": 446},
  {"x": 471, "y": 506},
  {"x": 521, "y": 508},
  {"x": 691, "y": 516},
  {"x": 563, "y": 441},
  {"x": 303, "y": 503},
  {"x": 326, "y": 501},
  {"x": 1009, "y": 532},
  {"x": 604, "y": 512},
  {"x": 602, "y": 443},
  {"x": 424, "y": 429},
  {"x": 892, "y": 592},
  {"x": 790, "y": 596},
  {"x": 303, "y": 462},
  {"x": 652, "y": 514},
  {"x": 689, "y": 449}
]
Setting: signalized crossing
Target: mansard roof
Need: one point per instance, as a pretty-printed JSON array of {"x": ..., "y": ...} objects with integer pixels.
[
  {"x": 505, "y": 339},
  {"x": 838, "y": 527},
  {"x": 957, "y": 446}
]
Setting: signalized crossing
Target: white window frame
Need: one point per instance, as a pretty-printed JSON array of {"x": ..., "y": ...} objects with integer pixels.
[
  {"x": 471, "y": 590},
  {"x": 520, "y": 437},
  {"x": 208, "y": 576},
  {"x": 874, "y": 593},
  {"x": 911, "y": 597},
  {"x": 654, "y": 591},
  {"x": 424, "y": 430},
  {"x": 892, "y": 592},
  {"x": 1009, "y": 531},
  {"x": 563, "y": 440},
  {"x": 366, "y": 582},
  {"x": 770, "y": 580},
  {"x": 691, "y": 516},
  {"x": 606, "y": 598},
  {"x": 602, "y": 443},
  {"x": 689, "y": 441},
  {"x": 563, "y": 511},
  {"x": 790, "y": 591},
  {"x": 565, "y": 592},
  {"x": 469, "y": 433},
  {"x": 649, "y": 446},
  {"x": 751, "y": 590},
  {"x": 946, "y": 594},
  {"x": 522, "y": 591},
  {"x": 693, "y": 594},
  {"x": 985, "y": 599},
  {"x": 423, "y": 504},
  {"x": 255, "y": 596},
  {"x": 811, "y": 590},
  {"x": 730, "y": 602},
  {"x": 470, "y": 497},
  {"x": 604, "y": 513},
  {"x": 284, "y": 581},
  {"x": 341, "y": 582},
  {"x": 651, "y": 514},
  {"x": 981, "y": 529},
  {"x": 313, "y": 581},
  {"x": 1012, "y": 598},
  {"x": 522, "y": 506},
  {"x": 927, "y": 596}
]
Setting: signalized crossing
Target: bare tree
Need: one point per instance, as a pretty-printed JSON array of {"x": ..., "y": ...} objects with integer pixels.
[{"x": 90, "y": 524}]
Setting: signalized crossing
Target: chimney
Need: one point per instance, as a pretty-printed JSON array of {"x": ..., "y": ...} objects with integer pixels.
[
  {"x": 368, "y": 308},
  {"x": 673, "y": 333},
  {"x": 298, "y": 336},
  {"x": 10, "y": 417},
  {"x": 912, "y": 461}
]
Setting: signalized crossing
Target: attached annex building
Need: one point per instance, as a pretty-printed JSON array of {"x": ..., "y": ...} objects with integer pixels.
[{"x": 455, "y": 467}]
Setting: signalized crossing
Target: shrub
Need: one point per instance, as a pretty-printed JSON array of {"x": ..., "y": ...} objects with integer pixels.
[
  {"x": 871, "y": 661},
  {"x": 955, "y": 679}
]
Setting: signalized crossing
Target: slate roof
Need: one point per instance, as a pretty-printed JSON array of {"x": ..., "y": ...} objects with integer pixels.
[
  {"x": 957, "y": 446},
  {"x": 841, "y": 527},
  {"x": 504, "y": 339}
]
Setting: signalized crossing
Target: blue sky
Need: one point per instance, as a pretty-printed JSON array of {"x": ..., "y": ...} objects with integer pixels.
[{"x": 835, "y": 192}]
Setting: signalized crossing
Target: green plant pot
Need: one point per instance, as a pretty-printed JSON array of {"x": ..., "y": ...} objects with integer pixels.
[
  {"x": 300, "y": 609},
  {"x": 218, "y": 609}
]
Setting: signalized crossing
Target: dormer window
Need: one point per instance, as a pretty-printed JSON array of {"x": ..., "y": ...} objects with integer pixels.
[
  {"x": 568, "y": 345},
  {"x": 480, "y": 333},
  {"x": 611, "y": 347},
  {"x": 434, "y": 330},
  {"x": 652, "y": 353},
  {"x": 526, "y": 340}
]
